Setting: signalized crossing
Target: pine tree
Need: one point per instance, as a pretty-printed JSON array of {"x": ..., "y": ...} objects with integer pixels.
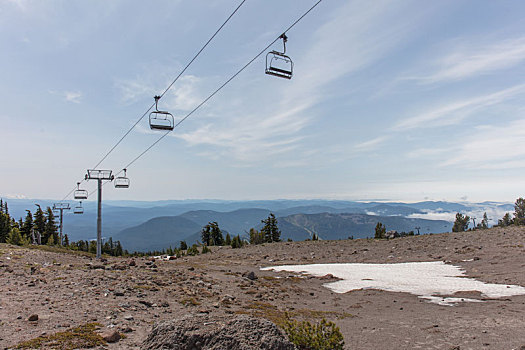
[
  {"x": 206, "y": 235},
  {"x": 270, "y": 230},
  {"x": 51, "y": 227},
  {"x": 16, "y": 238},
  {"x": 118, "y": 249},
  {"x": 380, "y": 231},
  {"x": 66, "y": 240},
  {"x": 519, "y": 211},
  {"x": 39, "y": 224},
  {"x": 227, "y": 240},
  {"x": 27, "y": 225},
  {"x": 507, "y": 220},
  {"x": 5, "y": 222},
  {"x": 256, "y": 237},
  {"x": 211, "y": 234},
  {"x": 183, "y": 245},
  {"x": 236, "y": 242},
  {"x": 485, "y": 222},
  {"x": 461, "y": 223}
]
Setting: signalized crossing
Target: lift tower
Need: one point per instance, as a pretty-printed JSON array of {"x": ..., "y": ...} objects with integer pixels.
[
  {"x": 99, "y": 175},
  {"x": 61, "y": 207}
]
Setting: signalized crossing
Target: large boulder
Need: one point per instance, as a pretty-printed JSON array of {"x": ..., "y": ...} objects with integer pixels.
[{"x": 206, "y": 332}]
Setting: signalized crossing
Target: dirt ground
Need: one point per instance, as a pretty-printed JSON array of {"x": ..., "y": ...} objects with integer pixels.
[{"x": 68, "y": 290}]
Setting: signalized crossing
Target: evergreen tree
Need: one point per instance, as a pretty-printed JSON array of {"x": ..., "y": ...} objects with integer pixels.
[
  {"x": 183, "y": 245},
  {"x": 5, "y": 222},
  {"x": 380, "y": 231},
  {"x": 50, "y": 240},
  {"x": 227, "y": 240},
  {"x": 236, "y": 242},
  {"x": 256, "y": 237},
  {"x": 507, "y": 220},
  {"x": 216, "y": 234},
  {"x": 206, "y": 235},
  {"x": 211, "y": 234},
  {"x": 485, "y": 222},
  {"x": 66, "y": 240},
  {"x": 16, "y": 238},
  {"x": 27, "y": 225},
  {"x": 270, "y": 230},
  {"x": 461, "y": 223},
  {"x": 519, "y": 211},
  {"x": 118, "y": 249},
  {"x": 51, "y": 227},
  {"x": 39, "y": 224}
]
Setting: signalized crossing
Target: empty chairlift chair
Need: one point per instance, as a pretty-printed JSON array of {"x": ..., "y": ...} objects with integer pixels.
[
  {"x": 79, "y": 193},
  {"x": 278, "y": 64},
  {"x": 78, "y": 209},
  {"x": 122, "y": 181},
  {"x": 160, "y": 120}
]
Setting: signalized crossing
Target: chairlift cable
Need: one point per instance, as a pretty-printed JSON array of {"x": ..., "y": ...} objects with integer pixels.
[
  {"x": 165, "y": 91},
  {"x": 222, "y": 86},
  {"x": 169, "y": 87}
]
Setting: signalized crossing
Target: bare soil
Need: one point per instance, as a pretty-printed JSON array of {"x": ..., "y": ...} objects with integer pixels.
[{"x": 67, "y": 290}]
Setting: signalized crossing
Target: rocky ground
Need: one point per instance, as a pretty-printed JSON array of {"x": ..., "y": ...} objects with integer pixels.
[{"x": 131, "y": 295}]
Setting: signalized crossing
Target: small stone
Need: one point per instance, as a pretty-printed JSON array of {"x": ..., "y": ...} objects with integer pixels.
[
  {"x": 146, "y": 303},
  {"x": 33, "y": 318},
  {"x": 250, "y": 275},
  {"x": 126, "y": 329},
  {"x": 132, "y": 262},
  {"x": 111, "y": 336},
  {"x": 128, "y": 317}
]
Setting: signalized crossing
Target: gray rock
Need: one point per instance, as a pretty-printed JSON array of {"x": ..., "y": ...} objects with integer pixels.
[
  {"x": 111, "y": 336},
  {"x": 206, "y": 332}
]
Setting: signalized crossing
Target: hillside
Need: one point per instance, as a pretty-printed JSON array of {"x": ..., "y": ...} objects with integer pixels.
[
  {"x": 341, "y": 226},
  {"x": 157, "y": 233},
  {"x": 68, "y": 290}
]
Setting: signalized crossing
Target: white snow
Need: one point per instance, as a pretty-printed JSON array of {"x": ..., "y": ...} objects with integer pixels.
[{"x": 427, "y": 280}]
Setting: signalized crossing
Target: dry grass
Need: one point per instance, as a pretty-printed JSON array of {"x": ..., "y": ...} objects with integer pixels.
[
  {"x": 279, "y": 317},
  {"x": 74, "y": 338}
]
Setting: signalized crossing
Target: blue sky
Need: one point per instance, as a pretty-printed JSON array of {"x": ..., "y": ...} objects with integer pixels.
[{"x": 392, "y": 100}]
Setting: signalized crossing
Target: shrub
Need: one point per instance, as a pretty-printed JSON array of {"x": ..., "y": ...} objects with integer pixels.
[
  {"x": 205, "y": 249},
  {"x": 236, "y": 242},
  {"x": 193, "y": 250},
  {"x": 322, "y": 336},
  {"x": 16, "y": 238}
]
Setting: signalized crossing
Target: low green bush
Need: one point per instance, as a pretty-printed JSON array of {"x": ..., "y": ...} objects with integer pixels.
[{"x": 324, "y": 335}]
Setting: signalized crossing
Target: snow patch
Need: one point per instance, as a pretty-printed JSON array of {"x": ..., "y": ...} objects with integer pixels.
[{"x": 427, "y": 280}]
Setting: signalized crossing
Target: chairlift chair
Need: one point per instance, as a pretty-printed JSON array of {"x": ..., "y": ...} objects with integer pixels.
[
  {"x": 122, "y": 181},
  {"x": 278, "y": 63},
  {"x": 160, "y": 120},
  {"x": 78, "y": 209},
  {"x": 79, "y": 193}
]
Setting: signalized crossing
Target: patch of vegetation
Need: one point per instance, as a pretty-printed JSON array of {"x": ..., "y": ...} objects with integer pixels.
[
  {"x": 324, "y": 335},
  {"x": 280, "y": 317},
  {"x": 57, "y": 249},
  {"x": 190, "y": 301},
  {"x": 74, "y": 338}
]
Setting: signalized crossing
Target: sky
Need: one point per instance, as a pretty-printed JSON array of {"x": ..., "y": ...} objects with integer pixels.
[{"x": 389, "y": 100}]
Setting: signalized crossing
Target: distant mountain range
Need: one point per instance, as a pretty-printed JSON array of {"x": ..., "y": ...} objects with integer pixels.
[{"x": 156, "y": 225}]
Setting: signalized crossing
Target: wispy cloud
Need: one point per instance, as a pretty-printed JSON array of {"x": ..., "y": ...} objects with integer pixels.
[
  {"x": 69, "y": 96},
  {"x": 454, "y": 112},
  {"x": 370, "y": 144},
  {"x": 468, "y": 60},
  {"x": 279, "y": 128},
  {"x": 492, "y": 147}
]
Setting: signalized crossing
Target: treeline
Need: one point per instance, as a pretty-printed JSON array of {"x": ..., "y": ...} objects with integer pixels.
[
  {"x": 40, "y": 228},
  {"x": 212, "y": 235},
  {"x": 462, "y": 222}
]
